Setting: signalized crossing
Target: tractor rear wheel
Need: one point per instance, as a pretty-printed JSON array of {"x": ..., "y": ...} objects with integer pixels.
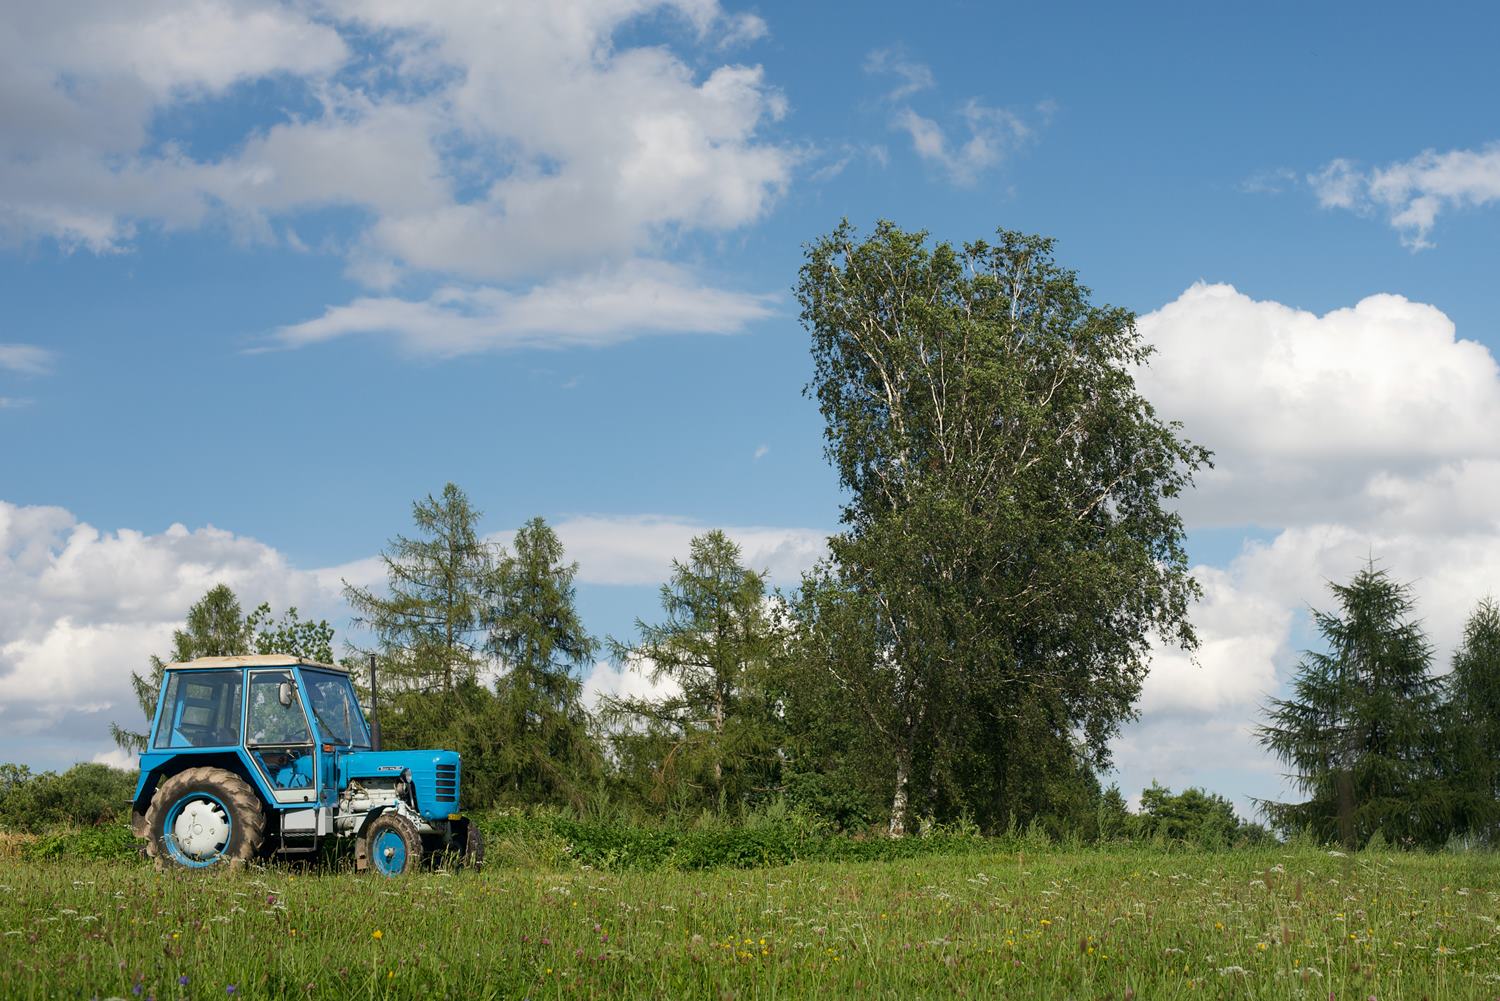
[
  {"x": 391, "y": 845},
  {"x": 202, "y": 817}
]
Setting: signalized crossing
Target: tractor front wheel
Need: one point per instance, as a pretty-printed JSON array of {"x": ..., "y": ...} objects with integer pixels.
[
  {"x": 391, "y": 845},
  {"x": 202, "y": 817}
]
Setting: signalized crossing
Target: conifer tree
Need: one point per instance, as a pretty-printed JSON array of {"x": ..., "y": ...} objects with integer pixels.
[
  {"x": 1473, "y": 722},
  {"x": 1361, "y": 732},
  {"x": 547, "y": 752},
  {"x": 430, "y": 626},
  {"x": 712, "y": 743}
]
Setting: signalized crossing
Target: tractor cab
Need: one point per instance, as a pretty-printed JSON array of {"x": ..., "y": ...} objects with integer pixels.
[{"x": 258, "y": 755}]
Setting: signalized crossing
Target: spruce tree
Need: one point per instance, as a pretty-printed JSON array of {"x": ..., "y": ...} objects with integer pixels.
[
  {"x": 1361, "y": 732},
  {"x": 1473, "y": 725}
]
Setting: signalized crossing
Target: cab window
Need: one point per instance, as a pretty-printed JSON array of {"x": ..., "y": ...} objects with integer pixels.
[
  {"x": 202, "y": 709},
  {"x": 270, "y": 722}
]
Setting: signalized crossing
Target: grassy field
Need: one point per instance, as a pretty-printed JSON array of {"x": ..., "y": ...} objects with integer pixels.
[{"x": 1124, "y": 923}]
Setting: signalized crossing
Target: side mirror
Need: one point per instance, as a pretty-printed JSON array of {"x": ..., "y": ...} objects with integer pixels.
[{"x": 284, "y": 693}]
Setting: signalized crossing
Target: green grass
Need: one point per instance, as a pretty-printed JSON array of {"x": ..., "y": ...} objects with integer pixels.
[{"x": 1117, "y": 923}]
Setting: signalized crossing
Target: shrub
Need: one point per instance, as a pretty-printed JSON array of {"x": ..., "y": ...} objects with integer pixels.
[{"x": 85, "y": 795}]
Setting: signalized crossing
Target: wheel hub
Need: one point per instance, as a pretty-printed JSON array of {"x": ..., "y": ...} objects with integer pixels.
[{"x": 202, "y": 828}]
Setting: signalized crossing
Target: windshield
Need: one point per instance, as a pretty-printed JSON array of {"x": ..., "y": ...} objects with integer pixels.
[{"x": 332, "y": 698}]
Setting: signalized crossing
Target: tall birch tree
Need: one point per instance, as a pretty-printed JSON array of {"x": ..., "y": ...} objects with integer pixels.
[{"x": 1010, "y": 523}]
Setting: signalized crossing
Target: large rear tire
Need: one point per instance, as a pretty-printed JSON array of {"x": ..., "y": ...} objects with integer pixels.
[{"x": 202, "y": 817}]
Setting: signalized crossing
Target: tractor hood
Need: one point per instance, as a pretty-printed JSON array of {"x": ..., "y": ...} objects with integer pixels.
[{"x": 434, "y": 775}]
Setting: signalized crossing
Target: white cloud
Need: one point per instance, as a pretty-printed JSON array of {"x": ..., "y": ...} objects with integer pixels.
[
  {"x": 80, "y": 609},
  {"x": 26, "y": 358},
  {"x": 1365, "y": 432},
  {"x": 519, "y": 144},
  {"x": 1303, "y": 411},
  {"x": 914, "y": 77},
  {"x": 588, "y": 310},
  {"x": 993, "y": 133},
  {"x": 624, "y": 681},
  {"x": 639, "y": 549},
  {"x": 1412, "y": 192},
  {"x": 761, "y": 451},
  {"x": 988, "y": 135}
]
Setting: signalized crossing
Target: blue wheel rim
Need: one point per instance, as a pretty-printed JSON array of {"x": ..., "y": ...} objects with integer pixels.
[
  {"x": 395, "y": 844},
  {"x": 169, "y": 837}
]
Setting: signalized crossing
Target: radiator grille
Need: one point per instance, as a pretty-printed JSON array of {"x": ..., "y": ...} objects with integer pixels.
[{"x": 446, "y": 789}]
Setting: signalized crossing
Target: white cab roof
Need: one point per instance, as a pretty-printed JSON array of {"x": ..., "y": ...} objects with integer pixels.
[{"x": 250, "y": 660}]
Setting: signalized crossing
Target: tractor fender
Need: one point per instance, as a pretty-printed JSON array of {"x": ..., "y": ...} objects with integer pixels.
[{"x": 158, "y": 767}]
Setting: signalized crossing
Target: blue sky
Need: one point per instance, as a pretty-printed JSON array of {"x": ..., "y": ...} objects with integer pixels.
[{"x": 270, "y": 271}]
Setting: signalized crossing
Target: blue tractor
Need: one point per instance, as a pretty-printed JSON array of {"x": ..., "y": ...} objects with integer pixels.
[{"x": 258, "y": 756}]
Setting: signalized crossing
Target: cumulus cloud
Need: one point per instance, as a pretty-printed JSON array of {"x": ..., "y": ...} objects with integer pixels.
[
  {"x": 588, "y": 310},
  {"x": 1303, "y": 411},
  {"x": 1411, "y": 193},
  {"x": 520, "y": 144},
  {"x": 624, "y": 681},
  {"x": 1362, "y": 433},
  {"x": 81, "y": 608}
]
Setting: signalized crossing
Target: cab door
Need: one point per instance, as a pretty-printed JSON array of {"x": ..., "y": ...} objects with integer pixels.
[{"x": 278, "y": 738}]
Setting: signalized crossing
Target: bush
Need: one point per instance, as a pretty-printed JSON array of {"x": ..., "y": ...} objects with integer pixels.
[
  {"x": 111, "y": 842},
  {"x": 775, "y": 836},
  {"x": 86, "y": 795}
]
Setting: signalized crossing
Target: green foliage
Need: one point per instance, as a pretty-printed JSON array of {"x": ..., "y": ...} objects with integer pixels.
[
  {"x": 714, "y": 743},
  {"x": 1193, "y": 816},
  {"x": 1472, "y": 721},
  {"x": 290, "y": 634},
  {"x": 1363, "y": 730},
  {"x": 1009, "y": 549},
  {"x": 86, "y": 795},
  {"x": 215, "y": 628},
  {"x": 777, "y": 835},
  {"x": 106, "y": 842},
  {"x": 545, "y": 752},
  {"x": 1114, "y": 821},
  {"x": 430, "y": 627}
]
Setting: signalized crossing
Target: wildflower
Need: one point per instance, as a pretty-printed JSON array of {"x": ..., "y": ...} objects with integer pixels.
[
  {"x": 377, "y": 934},
  {"x": 182, "y": 981},
  {"x": 230, "y": 989}
]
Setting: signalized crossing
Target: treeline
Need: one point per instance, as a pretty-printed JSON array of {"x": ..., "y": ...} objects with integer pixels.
[{"x": 1009, "y": 553}]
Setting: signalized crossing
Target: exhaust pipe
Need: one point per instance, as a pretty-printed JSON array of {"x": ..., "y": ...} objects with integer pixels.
[{"x": 374, "y": 708}]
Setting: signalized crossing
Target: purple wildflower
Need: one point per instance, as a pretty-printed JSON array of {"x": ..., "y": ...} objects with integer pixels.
[
  {"x": 230, "y": 989},
  {"x": 183, "y": 980}
]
